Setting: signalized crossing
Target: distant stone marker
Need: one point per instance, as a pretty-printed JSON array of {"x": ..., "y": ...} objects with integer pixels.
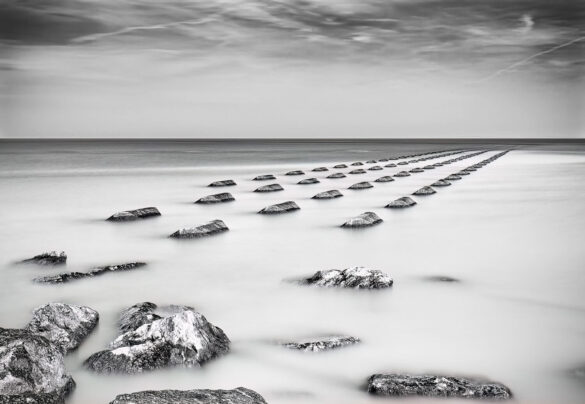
[
  {"x": 129, "y": 215},
  {"x": 222, "y": 183},
  {"x": 208, "y": 229},
  {"x": 366, "y": 219},
  {"x": 217, "y": 198},
  {"x": 283, "y": 207}
]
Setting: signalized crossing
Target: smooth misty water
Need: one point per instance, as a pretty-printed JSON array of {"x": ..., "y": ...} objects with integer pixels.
[{"x": 512, "y": 232}]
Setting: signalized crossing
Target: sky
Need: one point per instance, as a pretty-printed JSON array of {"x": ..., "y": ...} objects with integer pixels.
[{"x": 292, "y": 68}]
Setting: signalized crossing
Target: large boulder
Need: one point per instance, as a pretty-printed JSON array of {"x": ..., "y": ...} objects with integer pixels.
[
  {"x": 31, "y": 369},
  {"x": 404, "y": 202},
  {"x": 185, "y": 338},
  {"x": 264, "y": 177},
  {"x": 239, "y": 395},
  {"x": 386, "y": 178},
  {"x": 361, "y": 185},
  {"x": 269, "y": 188},
  {"x": 69, "y": 276},
  {"x": 129, "y": 215},
  {"x": 65, "y": 325},
  {"x": 216, "y": 198},
  {"x": 308, "y": 181},
  {"x": 354, "y": 277},
  {"x": 204, "y": 230},
  {"x": 364, "y": 220},
  {"x": 50, "y": 258},
  {"x": 283, "y": 207},
  {"x": 336, "y": 175},
  {"x": 223, "y": 183},
  {"x": 328, "y": 194},
  {"x": 321, "y": 344},
  {"x": 424, "y": 191},
  {"x": 358, "y": 171},
  {"x": 402, "y": 385},
  {"x": 295, "y": 172}
]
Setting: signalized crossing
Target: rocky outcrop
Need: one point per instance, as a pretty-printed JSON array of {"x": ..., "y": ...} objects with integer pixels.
[
  {"x": 404, "y": 202},
  {"x": 217, "y": 198},
  {"x": 69, "y": 276},
  {"x": 31, "y": 369},
  {"x": 358, "y": 171},
  {"x": 240, "y": 395},
  {"x": 354, "y": 277},
  {"x": 269, "y": 188},
  {"x": 402, "y": 174},
  {"x": 361, "y": 185},
  {"x": 416, "y": 170},
  {"x": 295, "y": 172},
  {"x": 222, "y": 183},
  {"x": 336, "y": 175},
  {"x": 403, "y": 385},
  {"x": 424, "y": 191},
  {"x": 328, "y": 194},
  {"x": 130, "y": 215},
  {"x": 208, "y": 229},
  {"x": 51, "y": 258},
  {"x": 184, "y": 338},
  {"x": 441, "y": 183},
  {"x": 385, "y": 178},
  {"x": 64, "y": 325},
  {"x": 340, "y": 166},
  {"x": 321, "y": 344},
  {"x": 366, "y": 219},
  {"x": 320, "y": 169},
  {"x": 375, "y": 168},
  {"x": 264, "y": 177},
  {"x": 283, "y": 207},
  {"x": 308, "y": 181}
]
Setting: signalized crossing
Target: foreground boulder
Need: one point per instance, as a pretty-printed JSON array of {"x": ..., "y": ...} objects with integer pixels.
[
  {"x": 404, "y": 202},
  {"x": 385, "y": 178},
  {"x": 295, "y": 172},
  {"x": 51, "y": 258},
  {"x": 65, "y": 325},
  {"x": 31, "y": 369},
  {"x": 223, "y": 183},
  {"x": 328, "y": 194},
  {"x": 321, "y": 344},
  {"x": 441, "y": 183},
  {"x": 129, "y": 215},
  {"x": 269, "y": 188},
  {"x": 208, "y": 229},
  {"x": 283, "y": 207},
  {"x": 240, "y": 395},
  {"x": 217, "y": 198},
  {"x": 358, "y": 171},
  {"x": 424, "y": 191},
  {"x": 401, "y": 385},
  {"x": 264, "y": 177},
  {"x": 307, "y": 181},
  {"x": 364, "y": 220},
  {"x": 69, "y": 276},
  {"x": 354, "y": 277},
  {"x": 336, "y": 175},
  {"x": 361, "y": 185},
  {"x": 185, "y": 338}
]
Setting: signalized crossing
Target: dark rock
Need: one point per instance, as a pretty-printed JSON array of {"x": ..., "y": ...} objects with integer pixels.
[
  {"x": 280, "y": 208},
  {"x": 403, "y": 163},
  {"x": 357, "y": 163},
  {"x": 31, "y": 369},
  {"x": 129, "y": 215},
  {"x": 453, "y": 177},
  {"x": 386, "y": 178},
  {"x": 69, "y": 276},
  {"x": 340, "y": 166},
  {"x": 390, "y": 165},
  {"x": 364, "y": 220},
  {"x": 308, "y": 181},
  {"x": 430, "y": 167},
  {"x": 462, "y": 173},
  {"x": 403, "y": 202},
  {"x": 401, "y": 385},
  {"x": 441, "y": 183},
  {"x": 217, "y": 198},
  {"x": 371, "y": 162},
  {"x": 295, "y": 172},
  {"x": 52, "y": 258},
  {"x": 185, "y": 338},
  {"x": 240, "y": 395},
  {"x": 361, "y": 185},
  {"x": 65, "y": 325},
  {"x": 383, "y": 160},
  {"x": 441, "y": 278},
  {"x": 375, "y": 168},
  {"x": 264, "y": 177},
  {"x": 424, "y": 191},
  {"x": 417, "y": 170},
  {"x": 320, "y": 169},
  {"x": 336, "y": 175},
  {"x": 321, "y": 344},
  {"x": 328, "y": 194},
  {"x": 402, "y": 174},
  {"x": 269, "y": 188},
  {"x": 358, "y": 171},
  {"x": 355, "y": 277},
  {"x": 137, "y": 315},
  {"x": 223, "y": 183},
  {"x": 213, "y": 227}
]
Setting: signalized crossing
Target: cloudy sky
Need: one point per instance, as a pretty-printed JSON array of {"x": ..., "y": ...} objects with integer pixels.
[{"x": 292, "y": 68}]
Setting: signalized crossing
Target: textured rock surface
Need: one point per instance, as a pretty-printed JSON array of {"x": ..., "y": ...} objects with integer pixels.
[
  {"x": 320, "y": 169},
  {"x": 216, "y": 198},
  {"x": 185, "y": 338},
  {"x": 402, "y": 174},
  {"x": 364, "y": 220},
  {"x": 129, "y": 215},
  {"x": 321, "y": 344},
  {"x": 424, "y": 191},
  {"x": 358, "y": 171},
  {"x": 361, "y": 185},
  {"x": 453, "y": 177},
  {"x": 385, "y": 178},
  {"x": 264, "y": 177},
  {"x": 137, "y": 315},
  {"x": 269, "y": 188},
  {"x": 328, "y": 194},
  {"x": 51, "y": 258},
  {"x": 400, "y": 385},
  {"x": 208, "y": 229},
  {"x": 441, "y": 183},
  {"x": 308, "y": 181},
  {"x": 336, "y": 175},
  {"x": 65, "y": 325},
  {"x": 240, "y": 395},
  {"x": 403, "y": 202},
  {"x": 375, "y": 168},
  {"x": 354, "y": 277},
  {"x": 280, "y": 208},
  {"x": 69, "y": 276},
  {"x": 223, "y": 183},
  {"x": 295, "y": 172}
]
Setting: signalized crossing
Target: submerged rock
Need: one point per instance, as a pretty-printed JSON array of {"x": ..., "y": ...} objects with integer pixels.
[
  {"x": 402, "y": 174},
  {"x": 321, "y": 344},
  {"x": 217, "y": 198},
  {"x": 239, "y": 395},
  {"x": 185, "y": 338},
  {"x": 69, "y": 276},
  {"x": 129, "y": 215},
  {"x": 280, "y": 208},
  {"x": 375, "y": 168},
  {"x": 354, "y": 277},
  {"x": 51, "y": 258},
  {"x": 223, "y": 183},
  {"x": 358, "y": 171},
  {"x": 403, "y": 202},
  {"x": 208, "y": 229},
  {"x": 361, "y": 185},
  {"x": 366, "y": 219},
  {"x": 319, "y": 169},
  {"x": 31, "y": 369},
  {"x": 417, "y": 170},
  {"x": 336, "y": 175},
  {"x": 328, "y": 194},
  {"x": 441, "y": 278},
  {"x": 269, "y": 188},
  {"x": 424, "y": 191},
  {"x": 295, "y": 172},
  {"x": 441, "y": 183},
  {"x": 386, "y": 178},
  {"x": 65, "y": 325},
  {"x": 264, "y": 177},
  {"x": 401, "y": 385},
  {"x": 307, "y": 181},
  {"x": 340, "y": 166}
]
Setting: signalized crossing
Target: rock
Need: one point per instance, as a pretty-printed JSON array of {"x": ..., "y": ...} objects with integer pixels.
[
  {"x": 453, "y": 177},
  {"x": 52, "y": 258},
  {"x": 357, "y": 163},
  {"x": 239, "y": 395},
  {"x": 375, "y": 168},
  {"x": 470, "y": 169},
  {"x": 321, "y": 344},
  {"x": 390, "y": 165},
  {"x": 208, "y": 229},
  {"x": 371, "y": 162},
  {"x": 264, "y": 177},
  {"x": 403, "y": 163},
  {"x": 402, "y": 174},
  {"x": 280, "y": 208},
  {"x": 361, "y": 185},
  {"x": 66, "y": 326},
  {"x": 386, "y": 178},
  {"x": 358, "y": 171},
  {"x": 69, "y": 276},
  {"x": 185, "y": 338},
  {"x": 354, "y": 277},
  {"x": 441, "y": 278},
  {"x": 441, "y": 183},
  {"x": 429, "y": 167},
  {"x": 307, "y": 181},
  {"x": 401, "y": 385},
  {"x": 320, "y": 169},
  {"x": 217, "y": 198},
  {"x": 462, "y": 173},
  {"x": 295, "y": 172},
  {"x": 364, "y": 220},
  {"x": 31, "y": 369},
  {"x": 336, "y": 175},
  {"x": 269, "y": 188},
  {"x": 403, "y": 202},
  {"x": 340, "y": 166},
  {"x": 383, "y": 160},
  {"x": 417, "y": 170},
  {"x": 137, "y": 315},
  {"x": 129, "y": 215},
  {"x": 424, "y": 191},
  {"x": 328, "y": 194},
  {"x": 223, "y": 183}
]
